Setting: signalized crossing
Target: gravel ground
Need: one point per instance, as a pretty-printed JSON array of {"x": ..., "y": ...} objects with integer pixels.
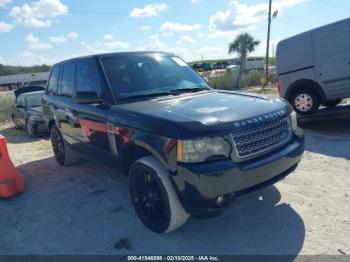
[{"x": 85, "y": 209}]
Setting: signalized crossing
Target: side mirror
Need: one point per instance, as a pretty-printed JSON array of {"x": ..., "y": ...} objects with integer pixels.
[{"x": 88, "y": 98}]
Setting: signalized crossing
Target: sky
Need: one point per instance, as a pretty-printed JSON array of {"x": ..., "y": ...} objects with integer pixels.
[{"x": 47, "y": 31}]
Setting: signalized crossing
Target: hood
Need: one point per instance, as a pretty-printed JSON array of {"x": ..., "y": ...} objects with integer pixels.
[
  {"x": 37, "y": 110},
  {"x": 200, "y": 114},
  {"x": 27, "y": 89}
]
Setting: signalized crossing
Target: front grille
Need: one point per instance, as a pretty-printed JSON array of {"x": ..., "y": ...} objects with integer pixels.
[{"x": 262, "y": 138}]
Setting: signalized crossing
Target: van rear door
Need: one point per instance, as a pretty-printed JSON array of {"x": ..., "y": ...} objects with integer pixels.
[{"x": 332, "y": 58}]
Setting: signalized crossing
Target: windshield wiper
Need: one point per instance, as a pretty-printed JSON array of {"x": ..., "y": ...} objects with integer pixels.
[
  {"x": 188, "y": 90},
  {"x": 136, "y": 97},
  {"x": 172, "y": 92}
]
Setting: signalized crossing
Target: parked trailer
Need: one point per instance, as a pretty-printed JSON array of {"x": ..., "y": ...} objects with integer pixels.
[{"x": 11, "y": 82}]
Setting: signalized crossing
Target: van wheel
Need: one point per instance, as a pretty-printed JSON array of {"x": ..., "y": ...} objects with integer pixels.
[
  {"x": 332, "y": 103},
  {"x": 64, "y": 154},
  {"x": 153, "y": 196},
  {"x": 305, "y": 101}
]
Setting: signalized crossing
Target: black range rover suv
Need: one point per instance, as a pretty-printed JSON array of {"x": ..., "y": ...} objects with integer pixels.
[{"x": 187, "y": 149}]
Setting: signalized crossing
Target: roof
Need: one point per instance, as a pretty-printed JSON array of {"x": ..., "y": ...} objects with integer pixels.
[
  {"x": 33, "y": 93},
  {"x": 346, "y": 20},
  {"x": 115, "y": 54},
  {"x": 27, "y": 89}
]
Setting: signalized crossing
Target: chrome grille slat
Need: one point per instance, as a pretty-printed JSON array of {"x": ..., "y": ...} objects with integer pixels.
[
  {"x": 248, "y": 139},
  {"x": 255, "y": 140},
  {"x": 261, "y": 128}
]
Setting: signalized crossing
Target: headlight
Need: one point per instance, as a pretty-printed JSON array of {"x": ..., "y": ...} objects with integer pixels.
[
  {"x": 199, "y": 150},
  {"x": 293, "y": 121}
]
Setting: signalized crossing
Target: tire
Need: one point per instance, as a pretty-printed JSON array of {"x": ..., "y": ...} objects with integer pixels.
[
  {"x": 305, "y": 101},
  {"x": 64, "y": 154},
  {"x": 332, "y": 103},
  {"x": 30, "y": 130},
  {"x": 14, "y": 120},
  {"x": 153, "y": 196}
]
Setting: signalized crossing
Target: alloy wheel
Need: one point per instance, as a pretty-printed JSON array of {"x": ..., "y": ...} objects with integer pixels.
[
  {"x": 29, "y": 129},
  {"x": 149, "y": 201},
  {"x": 57, "y": 145},
  {"x": 14, "y": 119}
]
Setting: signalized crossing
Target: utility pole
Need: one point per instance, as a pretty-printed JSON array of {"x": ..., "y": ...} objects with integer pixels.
[{"x": 268, "y": 44}]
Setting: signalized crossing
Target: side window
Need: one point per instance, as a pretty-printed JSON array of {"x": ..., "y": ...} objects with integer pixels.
[
  {"x": 24, "y": 101},
  {"x": 88, "y": 77},
  {"x": 67, "y": 80},
  {"x": 53, "y": 81}
]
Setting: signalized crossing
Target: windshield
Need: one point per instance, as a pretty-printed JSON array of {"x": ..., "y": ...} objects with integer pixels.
[
  {"x": 147, "y": 75},
  {"x": 34, "y": 100}
]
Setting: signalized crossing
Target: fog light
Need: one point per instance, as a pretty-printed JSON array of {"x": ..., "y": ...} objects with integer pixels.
[{"x": 220, "y": 200}]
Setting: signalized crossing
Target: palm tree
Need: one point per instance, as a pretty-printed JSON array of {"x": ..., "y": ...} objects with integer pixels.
[{"x": 242, "y": 45}]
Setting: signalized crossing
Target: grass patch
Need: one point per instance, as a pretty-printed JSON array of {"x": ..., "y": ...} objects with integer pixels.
[
  {"x": 269, "y": 90},
  {"x": 7, "y": 99},
  {"x": 210, "y": 61},
  {"x": 228, "y": 81}
]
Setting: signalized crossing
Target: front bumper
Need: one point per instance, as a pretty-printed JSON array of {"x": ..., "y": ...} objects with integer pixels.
[
  {"x": 198, "y": 185},
  {"x": 39, "y": 126}
]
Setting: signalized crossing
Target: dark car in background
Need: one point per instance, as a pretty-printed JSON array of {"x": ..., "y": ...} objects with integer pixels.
[
  {"x": 27, "y": 110},
  {"x": 188, "y": 149}
]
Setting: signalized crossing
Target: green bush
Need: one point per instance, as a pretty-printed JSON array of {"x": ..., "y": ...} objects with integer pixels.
[
  {"x": 7, "y": 99},
  {"x": 228, "y": 81},
  {"x": 251, "y": 79}
]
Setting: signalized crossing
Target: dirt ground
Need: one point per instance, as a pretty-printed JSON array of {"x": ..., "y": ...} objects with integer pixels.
[{"x": 85, "y": 209}]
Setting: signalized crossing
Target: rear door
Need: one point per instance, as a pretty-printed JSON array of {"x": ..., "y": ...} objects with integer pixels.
[
  {"x": 332, "y": 57},
  {"x": 51, "y": 94},
  {"x": 90, "y": 120},
  {"x": 63, "y": 102}
]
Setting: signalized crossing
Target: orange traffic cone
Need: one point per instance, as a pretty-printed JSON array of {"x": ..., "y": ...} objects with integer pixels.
[{"x": 11, "y": 182}]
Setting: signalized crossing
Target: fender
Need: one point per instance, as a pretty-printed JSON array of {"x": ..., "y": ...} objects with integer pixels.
[
  {"x": 306, "y": 83},
  {"x": 162, "y": 148},
  {"x": 156, "y": 154}
]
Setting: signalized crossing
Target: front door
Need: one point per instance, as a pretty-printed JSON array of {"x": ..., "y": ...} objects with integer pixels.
[{"x": 90, "y": 120}]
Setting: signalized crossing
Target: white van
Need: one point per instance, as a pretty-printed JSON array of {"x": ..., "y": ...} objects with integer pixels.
[{"x": 314, "y": 67}]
